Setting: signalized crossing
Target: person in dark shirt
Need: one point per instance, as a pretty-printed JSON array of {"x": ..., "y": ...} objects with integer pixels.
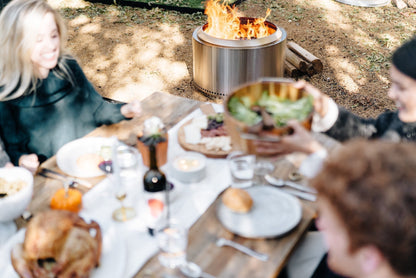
[
  {"x": 343, "y": 125},
  {"x": 45, "y": 98}
]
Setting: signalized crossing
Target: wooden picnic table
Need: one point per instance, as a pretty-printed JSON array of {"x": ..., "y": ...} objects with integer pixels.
[{"x": 218, "y": 261}]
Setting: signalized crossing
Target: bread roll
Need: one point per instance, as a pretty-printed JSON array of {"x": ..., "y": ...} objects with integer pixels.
[
  {"x": 88, "y": 163},
  {"x": 238, "y": 200}
]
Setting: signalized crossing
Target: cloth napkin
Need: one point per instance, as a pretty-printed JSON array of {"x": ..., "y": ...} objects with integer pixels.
[{"x": 7, "y": 229}]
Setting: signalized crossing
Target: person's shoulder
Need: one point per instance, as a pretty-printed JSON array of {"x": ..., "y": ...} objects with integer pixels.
[
  {"x": 70, "y": 62},
  {"x": 389, "y": 115}
]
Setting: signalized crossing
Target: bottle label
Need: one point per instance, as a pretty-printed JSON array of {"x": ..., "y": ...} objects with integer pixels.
[{"x": 156, "y": 210}]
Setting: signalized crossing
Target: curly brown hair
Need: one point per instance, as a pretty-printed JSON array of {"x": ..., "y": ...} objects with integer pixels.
[{"x": 372, "y": 187}]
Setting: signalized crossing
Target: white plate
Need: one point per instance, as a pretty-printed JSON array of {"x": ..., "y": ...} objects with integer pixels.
[
  {"x": 67, "y": 155},
  {"x": 112, "y": 262},
  {"x": 274, "y": 213}
]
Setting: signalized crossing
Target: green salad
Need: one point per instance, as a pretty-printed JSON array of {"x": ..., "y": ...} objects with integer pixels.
[{"x": 281, "y": 110}]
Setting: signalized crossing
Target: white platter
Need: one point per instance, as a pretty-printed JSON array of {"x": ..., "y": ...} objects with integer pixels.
[
  {"x": 67, "y": 155},
  {"x": 112, "y": 262},
  {"x": 274, "y": 213}
]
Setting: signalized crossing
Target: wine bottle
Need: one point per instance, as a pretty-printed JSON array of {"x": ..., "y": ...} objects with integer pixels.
[{"x": 154, "y": 182}]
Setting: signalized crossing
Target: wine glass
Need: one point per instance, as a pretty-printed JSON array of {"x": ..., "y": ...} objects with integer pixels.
[
  {"x": 125, "y": 173},
  {"x": 172, "y": 240}
]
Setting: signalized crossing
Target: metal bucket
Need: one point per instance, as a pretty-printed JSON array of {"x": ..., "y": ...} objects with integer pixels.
[{"x": 219, "y": 65}]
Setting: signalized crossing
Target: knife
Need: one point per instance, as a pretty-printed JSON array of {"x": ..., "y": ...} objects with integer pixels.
[{"x": 302, "y": 195}]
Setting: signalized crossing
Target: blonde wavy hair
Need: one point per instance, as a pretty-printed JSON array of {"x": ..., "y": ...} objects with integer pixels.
[{"x": 18, "y": 23}]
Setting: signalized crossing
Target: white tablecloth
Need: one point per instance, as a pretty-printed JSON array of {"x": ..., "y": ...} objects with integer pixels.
[{"x": 187, "y": 205}]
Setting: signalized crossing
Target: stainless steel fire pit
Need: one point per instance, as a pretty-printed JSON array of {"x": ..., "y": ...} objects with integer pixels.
[{"x": 221, "y": 65}]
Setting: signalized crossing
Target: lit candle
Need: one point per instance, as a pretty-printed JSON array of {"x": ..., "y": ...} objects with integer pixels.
[
  {"x": 188, "y": 163},
  {"x": 189, "y": 167}
]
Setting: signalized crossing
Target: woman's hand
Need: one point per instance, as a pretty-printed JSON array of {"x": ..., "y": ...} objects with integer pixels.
[
  {"x": 30, "y": 162},
  {"x": 320, "y": 103},
  {"x": 132, "y": 109},
  {"x": 300, "y": 141}
]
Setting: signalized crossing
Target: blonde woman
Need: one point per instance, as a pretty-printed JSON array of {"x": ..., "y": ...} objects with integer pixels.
[{"x": 45, "y": 98}]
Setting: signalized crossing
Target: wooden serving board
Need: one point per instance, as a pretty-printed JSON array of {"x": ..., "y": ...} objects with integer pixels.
[{"x": 198, "y": 147}]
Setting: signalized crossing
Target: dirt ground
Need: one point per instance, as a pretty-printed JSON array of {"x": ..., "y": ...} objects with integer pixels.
[{"x": 128, "y": 53}]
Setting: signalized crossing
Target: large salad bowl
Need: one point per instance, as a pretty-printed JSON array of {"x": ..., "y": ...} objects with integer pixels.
[{"x": 261, "y": 110}]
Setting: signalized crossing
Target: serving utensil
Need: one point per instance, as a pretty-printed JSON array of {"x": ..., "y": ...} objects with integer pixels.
[
  {"x": 252, "y": 136},
  {"x": 225, "y": 242},
  {"x": 303, "y": 195},
  {"x": 281, "y": 182}
]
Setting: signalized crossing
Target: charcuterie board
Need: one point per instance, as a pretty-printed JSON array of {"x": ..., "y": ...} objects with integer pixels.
[{"x": 201, "y": 148}]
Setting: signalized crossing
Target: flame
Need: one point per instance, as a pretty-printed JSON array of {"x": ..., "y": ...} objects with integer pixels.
[{"x": 224, "y": 23}]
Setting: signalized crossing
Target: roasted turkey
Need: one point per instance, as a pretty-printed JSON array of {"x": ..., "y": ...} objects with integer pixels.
[{"x": 58, "y": 244}]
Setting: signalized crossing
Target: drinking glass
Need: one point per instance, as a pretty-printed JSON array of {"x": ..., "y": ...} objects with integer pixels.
[
  {"x": 241, "y": 168},
  {"x": 172, "y": 241},
  {"x": 125, "y": 172},
  {"x": 262, "y": 167}
]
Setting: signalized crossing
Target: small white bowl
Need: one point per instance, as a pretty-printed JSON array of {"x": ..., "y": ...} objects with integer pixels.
[
  {"x": 189, "y": 167},
  {"x": 14, "y": 205}
]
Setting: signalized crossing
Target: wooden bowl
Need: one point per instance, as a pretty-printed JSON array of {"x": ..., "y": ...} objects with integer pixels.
[{"x": 242, "y": 134}]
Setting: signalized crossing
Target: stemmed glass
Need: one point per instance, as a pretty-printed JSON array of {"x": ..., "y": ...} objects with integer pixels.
[
  {"x": 172, "y": 240},
  {"x": 124, "y": 169}
]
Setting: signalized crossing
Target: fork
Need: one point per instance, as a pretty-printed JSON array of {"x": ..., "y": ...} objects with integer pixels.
[
  {"x": 225, "y": 242},
  {"x": 48, "y": 173}
]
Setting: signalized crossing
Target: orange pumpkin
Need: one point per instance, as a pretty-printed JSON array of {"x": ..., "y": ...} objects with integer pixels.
[{"x": 71, "y": 200}]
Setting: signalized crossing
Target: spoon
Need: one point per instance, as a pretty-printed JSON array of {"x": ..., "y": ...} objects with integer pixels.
[
  {"x": 222, "y": 242},
  {"x": 193, "y": 270},
  {"x": 280, "y": 182}
]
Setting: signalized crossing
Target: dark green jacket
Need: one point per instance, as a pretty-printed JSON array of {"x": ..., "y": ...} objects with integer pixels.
[
  {"x": 57, "y": 112},
  {"x": 386, "y": 126}
]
